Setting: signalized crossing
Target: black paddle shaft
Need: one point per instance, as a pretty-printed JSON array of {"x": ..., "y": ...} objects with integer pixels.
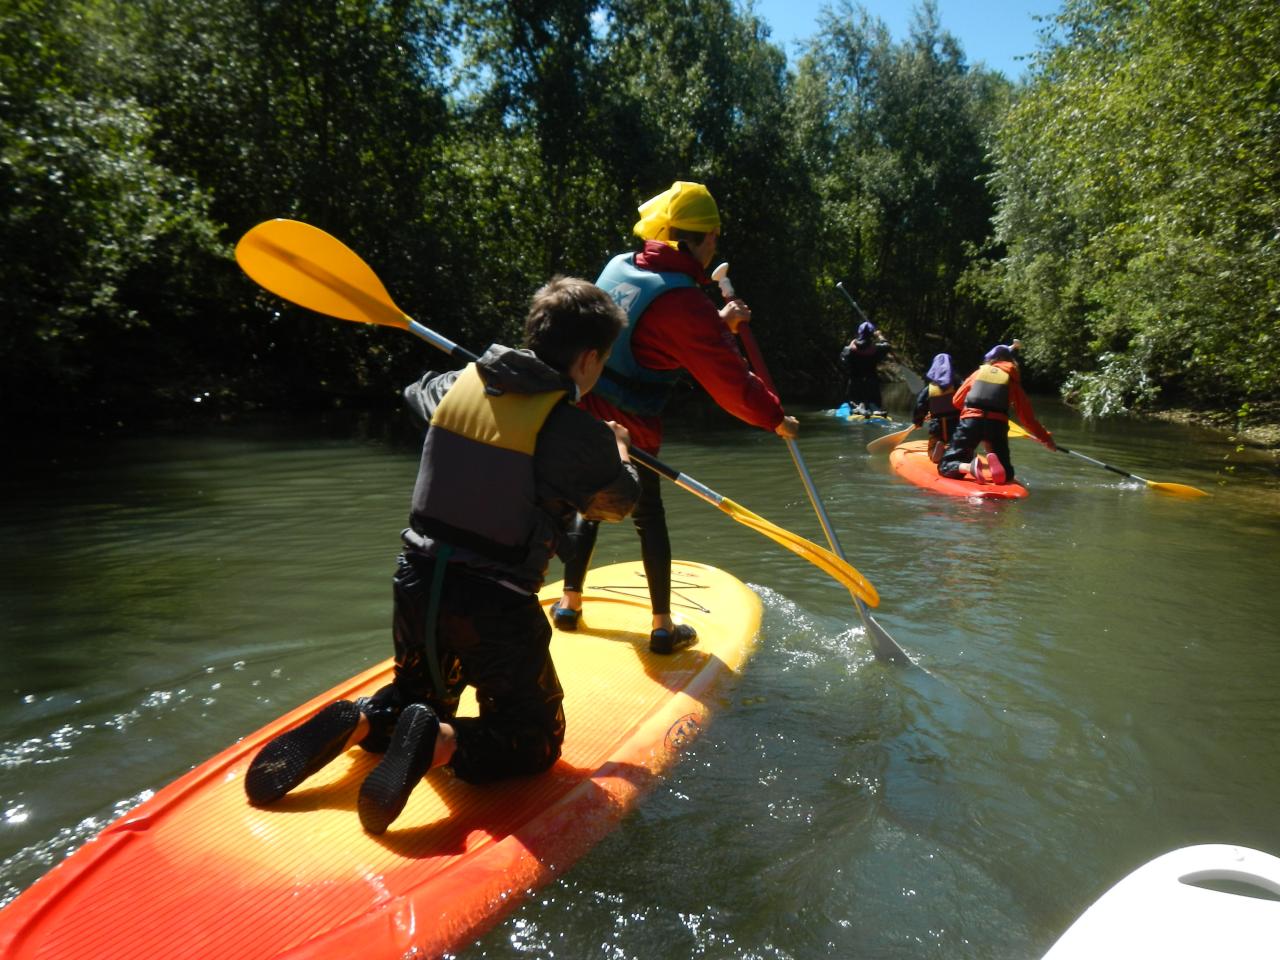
[{"x": 1105, "y": 466}]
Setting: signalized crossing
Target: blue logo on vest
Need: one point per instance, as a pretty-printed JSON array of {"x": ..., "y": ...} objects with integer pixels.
[{"x": 624, "y": 295}]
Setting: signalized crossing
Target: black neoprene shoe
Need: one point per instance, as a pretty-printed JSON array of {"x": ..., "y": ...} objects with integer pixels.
[
  {"x": 562, "y": 618},
  {"x": 386, "y": 790},
  {"x": 670, "y": 641},
  {"x": 298, "y": 753}
]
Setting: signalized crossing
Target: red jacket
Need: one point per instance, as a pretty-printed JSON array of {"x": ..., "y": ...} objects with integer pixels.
[
  {"x": 682, "y": 330},
  {"x": 1018, "y": 400}
]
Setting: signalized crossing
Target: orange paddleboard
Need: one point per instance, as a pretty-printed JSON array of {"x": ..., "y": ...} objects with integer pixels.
[
  {"x": 911, "y": 461},
  {"x": 197, "y": 872}
]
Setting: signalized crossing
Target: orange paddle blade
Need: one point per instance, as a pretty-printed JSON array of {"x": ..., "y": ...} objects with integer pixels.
[
  {"x": 1185, "y": 491},
  {"x": 307, "y": 266}
]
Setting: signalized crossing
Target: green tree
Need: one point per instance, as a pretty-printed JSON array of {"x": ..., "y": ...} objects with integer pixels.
[
  {"x": 103, "y": 245},
  {"x": 467, "y": 149},
  {"x": 538, "y": 85},
  {"x": 700, "y": 93},
  {"x": 331, "y": 112},
  {"x": 897, "y": 135},
  {"x": 1138, "y": 182}
]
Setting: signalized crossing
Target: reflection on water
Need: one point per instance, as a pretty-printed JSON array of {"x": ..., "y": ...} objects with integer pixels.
[{"x": 1100, "y": 684}]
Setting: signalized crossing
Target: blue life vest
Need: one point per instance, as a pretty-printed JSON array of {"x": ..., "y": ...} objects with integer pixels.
[{"x": 626, "y": 383}]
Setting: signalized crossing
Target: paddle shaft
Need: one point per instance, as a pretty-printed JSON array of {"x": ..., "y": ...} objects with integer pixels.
[
  {"x": 1104, "y": 466},
  {"x": 849, "y": 297},
  {"x": 756, "y": 360},
  {"x": 885, "y": 647},
  {"x": 1185, "y": 491}
]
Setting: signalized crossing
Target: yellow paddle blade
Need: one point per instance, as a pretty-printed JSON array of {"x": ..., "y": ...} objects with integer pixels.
[
  {"x": 1016, "y": 431},
  {"x": 820, "y": 557},
  {"x": 307, "y": 266},
  {"x": 889, "y": 441},
  {"x": 1185, "y": 491}
]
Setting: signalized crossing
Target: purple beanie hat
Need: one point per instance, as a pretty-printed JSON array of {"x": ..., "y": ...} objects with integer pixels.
[
  {"x": 1001, "y": 351},
  {"x": 940, "y": 370}
]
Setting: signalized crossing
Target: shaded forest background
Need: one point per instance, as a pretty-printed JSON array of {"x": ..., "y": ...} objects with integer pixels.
[{"x": 1119, "y": 209}]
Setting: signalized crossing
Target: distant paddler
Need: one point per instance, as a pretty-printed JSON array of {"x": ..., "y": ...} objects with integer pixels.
[{"x": 861, "y": 359}]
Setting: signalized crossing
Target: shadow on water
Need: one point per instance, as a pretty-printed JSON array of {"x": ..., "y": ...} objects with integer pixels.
[{"x": 1098, "y": 681}]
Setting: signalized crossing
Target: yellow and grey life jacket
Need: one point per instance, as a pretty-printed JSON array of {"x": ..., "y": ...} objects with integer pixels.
[
  {"x": 989, "y": 390},
  {"x": 476, "y": 489},
  {"x": 940, "y": 402}
]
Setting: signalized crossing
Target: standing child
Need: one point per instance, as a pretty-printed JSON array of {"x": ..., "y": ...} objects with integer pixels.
[
  {"x": 984, "y": 400},
  {"x": 671, "y": 326},
  {"x": 861, "y": 362},
  {"x": 934, "y": 402},
  {"x": 507, "y": 462}
]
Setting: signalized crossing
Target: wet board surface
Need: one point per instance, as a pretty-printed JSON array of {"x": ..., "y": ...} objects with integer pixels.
[
  {"x": 195, "y": 871},
  {"x": 911, "y": 461}
]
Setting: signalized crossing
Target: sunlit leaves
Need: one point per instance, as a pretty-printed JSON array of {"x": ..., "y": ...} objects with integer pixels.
[
  {"x": 897, "y": 137},
  {"x": 1141, "y": 164}
]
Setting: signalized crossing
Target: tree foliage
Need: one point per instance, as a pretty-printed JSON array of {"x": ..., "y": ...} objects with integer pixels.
[
  {"x": 896, "y": 136},
  {"x": 1118, "y": 211},
  {"x": 1137, "y": 181},
  {"x": 102, "y": 244}
]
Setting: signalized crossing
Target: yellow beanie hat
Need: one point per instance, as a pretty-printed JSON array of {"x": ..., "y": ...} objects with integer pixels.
[{"x": 682, "y": 206}]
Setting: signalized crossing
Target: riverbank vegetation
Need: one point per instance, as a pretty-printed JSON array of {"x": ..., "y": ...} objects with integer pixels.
[{"x": 1117, "y": 209}]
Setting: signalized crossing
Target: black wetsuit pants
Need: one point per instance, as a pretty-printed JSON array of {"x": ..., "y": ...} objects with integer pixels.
[
  {"x": 650, "y": 518},
  {"x": 865, "y": 390},
  {"x": 972, "y": 432},
  {"x": 941, "y": 430},
  {"x": 488, "y": 637}
]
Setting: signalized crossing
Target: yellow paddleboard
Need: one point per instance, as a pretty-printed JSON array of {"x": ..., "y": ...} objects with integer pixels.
[{"x": 197, "y": 872}]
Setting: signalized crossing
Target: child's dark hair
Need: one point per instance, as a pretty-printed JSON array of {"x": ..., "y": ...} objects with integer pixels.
[
  {"x": 568, "y": 315},
  {"x": 690, "y": 237}
]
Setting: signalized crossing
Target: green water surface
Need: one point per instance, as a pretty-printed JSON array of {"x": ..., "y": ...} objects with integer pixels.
[{"x": 1099, "y": 682}]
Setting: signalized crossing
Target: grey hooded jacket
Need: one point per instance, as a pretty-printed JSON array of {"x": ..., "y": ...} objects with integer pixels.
[{"x": 576, "y": 469}]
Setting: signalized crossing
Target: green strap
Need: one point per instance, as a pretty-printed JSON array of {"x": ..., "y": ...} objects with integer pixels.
[{"x": 433, "y": 613}]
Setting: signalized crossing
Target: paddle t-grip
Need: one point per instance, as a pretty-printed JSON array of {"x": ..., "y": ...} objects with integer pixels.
[{"x": 721, "y": 276}]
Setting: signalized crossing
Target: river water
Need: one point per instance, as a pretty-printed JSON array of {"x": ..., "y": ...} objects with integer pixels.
[{"x": 1097, "y": 679}]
